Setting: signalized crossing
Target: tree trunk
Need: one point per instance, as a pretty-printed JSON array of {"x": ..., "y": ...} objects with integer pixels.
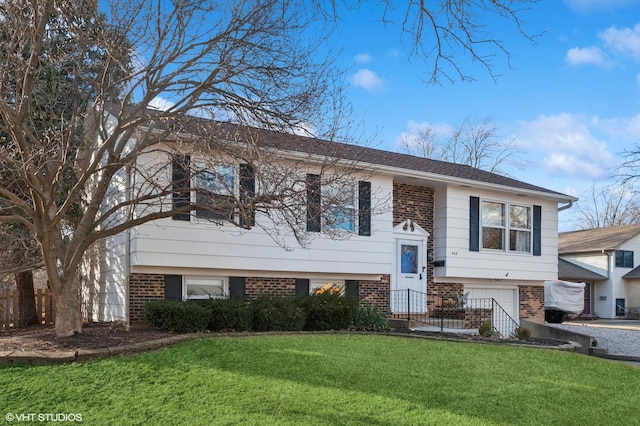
[
  {"x": 28, "y": 315},
  {"x": 68, "y": 316}
]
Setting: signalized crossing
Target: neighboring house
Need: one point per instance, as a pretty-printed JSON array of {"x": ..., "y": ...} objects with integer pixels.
[
  {"x": 439, "y": 228},
  {"x": 606, "y": 259}
]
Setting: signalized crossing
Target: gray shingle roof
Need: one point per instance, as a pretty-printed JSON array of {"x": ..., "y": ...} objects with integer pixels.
[
  {"x": 596, "y": 239},
  {"x": 569, "y": 271},
  {"x": 324, "y": 148},
  {"x": 633, "y": 274}
]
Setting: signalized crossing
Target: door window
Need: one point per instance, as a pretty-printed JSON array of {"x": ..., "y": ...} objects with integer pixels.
[{"x": 408, "y": 259}]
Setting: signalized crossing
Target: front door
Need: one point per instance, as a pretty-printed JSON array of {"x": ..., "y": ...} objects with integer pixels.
[{"x": 410, "y": 275}]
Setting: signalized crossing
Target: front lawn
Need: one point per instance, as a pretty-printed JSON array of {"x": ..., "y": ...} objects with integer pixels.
[{"x": 331, "y": 379}]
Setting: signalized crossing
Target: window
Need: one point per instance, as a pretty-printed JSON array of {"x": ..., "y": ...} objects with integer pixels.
[
  {"x": 624, "y": 259},
  {"x": 501, "y": 231},
  {"x": 326, "y": 286},
  {"x": 493, "y": 226},
  {"x": 338, "y": 206},
  {"x": 520, "y": 228},
  {"x": 340, "y": 201},
  {"x": 204, "y": 288},
  {"x": 215, "y": 188}
]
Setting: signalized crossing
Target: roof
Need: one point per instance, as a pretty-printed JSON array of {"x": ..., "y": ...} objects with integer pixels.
[
  {"x": 571, "y": 272},
  {"x": 633, "y": 274},
  {"x": 323, "y": 148},
  {"x": 598, "y": 239}
]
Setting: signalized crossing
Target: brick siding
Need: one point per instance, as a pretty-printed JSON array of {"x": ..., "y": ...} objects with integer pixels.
[
  {"x": 255, "y": 286},
  {"x": 532, "y": 303},
  {"x": 143, "y": 288}
]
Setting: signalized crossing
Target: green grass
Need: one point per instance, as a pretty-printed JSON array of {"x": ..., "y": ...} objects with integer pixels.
[{"x": 332, "y": 379}]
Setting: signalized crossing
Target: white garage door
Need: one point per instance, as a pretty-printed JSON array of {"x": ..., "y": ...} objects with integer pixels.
[{"x": 507, "y": 298}]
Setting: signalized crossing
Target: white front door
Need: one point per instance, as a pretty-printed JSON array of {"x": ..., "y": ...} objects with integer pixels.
[{"x": 410, "y": 275}]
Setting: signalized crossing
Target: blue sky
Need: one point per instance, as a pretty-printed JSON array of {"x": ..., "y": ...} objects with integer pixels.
[{"x": 571, "y": 100}]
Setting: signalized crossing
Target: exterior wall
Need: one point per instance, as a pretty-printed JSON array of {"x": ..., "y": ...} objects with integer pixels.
[
  {"x": 104, "y": 269},
  {"x": 531, "y": 301},
  {"x": 461, "y": 264},
  {"x": 376, "y": 292},
  {"x": 254, "y": 287},
  {"x": 202, "y": 244},
  {"x": 146, "y": 287},
  {"x": 615, "y": 287},
  {"x": 623, "y": 288},
  {"x": 415, "y": 203},
  {"x": 143, "y": 288}
]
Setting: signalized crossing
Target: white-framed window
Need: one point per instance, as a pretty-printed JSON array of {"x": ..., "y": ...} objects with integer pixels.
[
  {"x": 201, "y": 287},
  {"x": 326, "y": 286},
  {"x": 340, "y": 202},
  {"x": 506, "y": 227},
  {"x": 216, "y": 188}
]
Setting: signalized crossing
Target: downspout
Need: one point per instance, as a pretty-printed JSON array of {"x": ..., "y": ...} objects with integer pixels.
[{"x": 127, "y": 247}]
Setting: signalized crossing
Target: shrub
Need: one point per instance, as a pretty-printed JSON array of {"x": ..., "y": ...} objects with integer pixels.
[
  {"x": 522, "y": 333},
  {"x": 369, "y": 318},
  {"x": 328, "y": 311},
  {"x": 272, "y": 313},
  {"x": 177, "y": 316},
  {"x": 485, "y": 329},
  {"x": 230, "y": 314}
]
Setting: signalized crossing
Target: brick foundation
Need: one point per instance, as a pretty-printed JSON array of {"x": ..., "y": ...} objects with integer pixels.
[
  {"x": 376, "y": 293},
  {"x": 255, "y": 286},
  {"x": 143, "y": 288},
  {"x": 146, "y": 287},
  {"x": 532, "y": 303}
]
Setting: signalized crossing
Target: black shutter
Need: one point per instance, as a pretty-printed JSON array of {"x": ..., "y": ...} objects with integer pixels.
[
  {"x": 173, "y": 287},
  {"x": 247, "y": 193},
  {"x": 181, "y": 195},
  {"x": 313, "y": 203},
  {"x": 302, "y": 287},
  {"x": 537, "y": 230},
  {"x": 364, "y": 208},
  {"x": 237, "y": 287},
  {"x": 474, "y": 224},
  {"x": 352, "y": 289}
]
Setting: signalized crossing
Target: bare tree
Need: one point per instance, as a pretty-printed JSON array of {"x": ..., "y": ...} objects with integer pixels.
[
  {"x": 475, "y": 143},
  {"x": 444, "y": 33},
  {"x": 87, "y": 157},
  {"x": 608, "y": 205}
]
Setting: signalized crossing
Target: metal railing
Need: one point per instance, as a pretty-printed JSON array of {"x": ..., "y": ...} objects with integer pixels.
[{"x": 456, "y": 312}]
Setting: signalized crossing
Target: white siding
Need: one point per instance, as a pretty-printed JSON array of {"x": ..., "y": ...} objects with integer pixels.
[
  {"x": 602, "y": 296},
  {"x": 104, "y": 271},
  {"x": 462, "y": 263},
  {"x": 205, "y": 245}
]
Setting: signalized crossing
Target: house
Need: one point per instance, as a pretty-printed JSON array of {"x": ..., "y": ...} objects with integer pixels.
[
  {"x": 443, "y": 230},
  {"x": 604, "y": 259}
]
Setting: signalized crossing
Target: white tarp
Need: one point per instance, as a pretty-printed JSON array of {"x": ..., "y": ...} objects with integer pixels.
[{"x": 564, "y": 296}]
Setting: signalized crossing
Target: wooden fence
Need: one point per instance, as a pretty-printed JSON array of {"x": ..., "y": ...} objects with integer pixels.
[{"x": 9, "y": 308}]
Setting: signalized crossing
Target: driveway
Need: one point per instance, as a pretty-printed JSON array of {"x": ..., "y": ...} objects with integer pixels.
[{"x": 619, "y": 336}]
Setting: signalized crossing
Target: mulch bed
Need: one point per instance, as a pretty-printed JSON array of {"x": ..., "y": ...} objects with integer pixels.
[{"x": 93, "y": 336}]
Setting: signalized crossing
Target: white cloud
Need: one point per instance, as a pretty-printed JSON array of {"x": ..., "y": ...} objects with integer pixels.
[
  {"x": 586, "y": 55},
  {"x": 568, "y": 146},
  {"x": 625, "y": 41},
  {"x": 623, "y": 129},
  {"x": 362, "y": 58},
  {"x": 367, "y": 79}
]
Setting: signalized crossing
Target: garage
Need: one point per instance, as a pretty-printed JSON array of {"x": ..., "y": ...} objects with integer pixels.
[{"x": 506, "y": 297}]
